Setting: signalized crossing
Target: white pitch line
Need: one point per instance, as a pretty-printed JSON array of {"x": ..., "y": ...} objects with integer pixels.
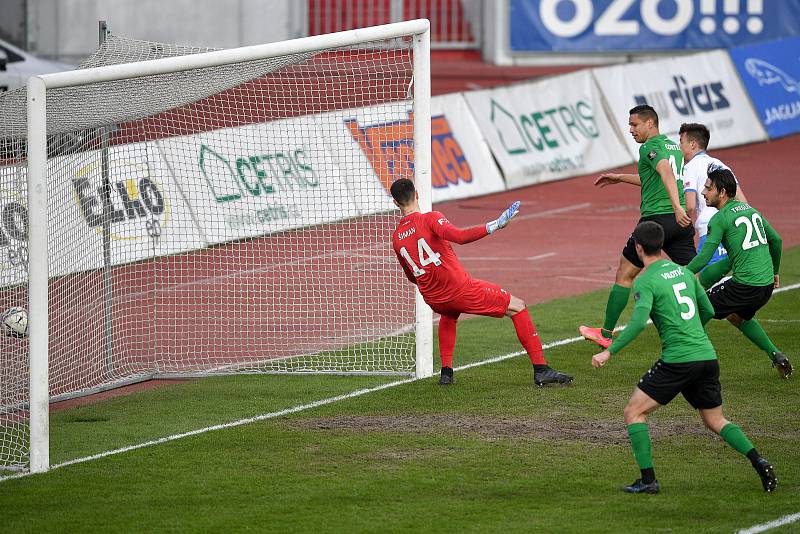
[
  {"x": 554, "y": 211},
  {"x": 785, "y": 520},
  {"x": 315, "y": 404},
  {"x": 281, "y": 413},
  {"x": 508, "y": 258},
  {"x": 542, "y": 256},
  {"x": 495, "y": 267},
  {"x": 586, "y": 279},
  {"x": 786, "y": 288},
  {"x": 490, "y": 258}
]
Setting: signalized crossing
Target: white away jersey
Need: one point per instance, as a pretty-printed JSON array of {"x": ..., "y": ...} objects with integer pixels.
[{"x": 694, "y": 179}]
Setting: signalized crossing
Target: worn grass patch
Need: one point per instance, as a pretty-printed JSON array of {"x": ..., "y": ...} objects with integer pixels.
[{"x": 554, "y": 427}]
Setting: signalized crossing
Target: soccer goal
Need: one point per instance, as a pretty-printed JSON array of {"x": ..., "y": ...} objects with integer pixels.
[{"x": 190, "y": 213}]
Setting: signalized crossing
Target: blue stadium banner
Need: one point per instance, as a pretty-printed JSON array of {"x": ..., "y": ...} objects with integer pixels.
[
  {"x": 642, "y": 25},
  {"x": 771, "y": 74}
]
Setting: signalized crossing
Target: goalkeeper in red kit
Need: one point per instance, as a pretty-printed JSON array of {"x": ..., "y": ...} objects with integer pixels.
[{"x": 422, "y": 244}]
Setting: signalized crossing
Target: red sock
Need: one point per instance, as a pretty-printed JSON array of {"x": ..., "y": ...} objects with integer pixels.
[
  {"x": 447, "y": 339},
  {"x": 526, "y": 333}
]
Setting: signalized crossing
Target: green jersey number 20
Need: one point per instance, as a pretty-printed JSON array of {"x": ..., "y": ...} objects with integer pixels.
[{"x": 754, "y": 223}]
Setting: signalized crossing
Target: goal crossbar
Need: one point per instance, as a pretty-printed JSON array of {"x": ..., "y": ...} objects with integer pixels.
[{"x": 217, "y": 58}]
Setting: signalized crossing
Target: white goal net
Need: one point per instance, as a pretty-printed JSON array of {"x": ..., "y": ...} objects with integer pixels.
[{"x": 230, "y": 217}]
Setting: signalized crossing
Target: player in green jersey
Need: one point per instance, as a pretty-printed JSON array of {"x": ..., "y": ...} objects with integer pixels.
[
  {"x": 660, "y": 172},
  {"x": 675, "y": 300},
  {"x": 754, "y": 253}
]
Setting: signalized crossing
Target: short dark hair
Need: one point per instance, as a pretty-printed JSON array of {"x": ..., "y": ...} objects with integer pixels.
[
  {"x": 650, "y": 236},
  {"x": 645, "y": 112},
  {"x": 696, "y": 132},
  {"x": 722, "y": 179},
  {"x": 403, "y": 191}
]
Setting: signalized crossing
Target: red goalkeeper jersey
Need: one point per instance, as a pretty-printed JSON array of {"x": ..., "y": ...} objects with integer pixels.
[{"x": 422, "y": 244}]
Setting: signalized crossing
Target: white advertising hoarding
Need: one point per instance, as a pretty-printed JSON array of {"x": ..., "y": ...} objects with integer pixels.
[
  {"x": 148, "y": 215},
  {"x": 700, "y": 88},
  {"x": 254, "y": 180},
  {"x": 548, "y": 130}
]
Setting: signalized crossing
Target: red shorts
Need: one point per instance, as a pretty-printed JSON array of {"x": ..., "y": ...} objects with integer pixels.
[{"x": 478, "y": 298}]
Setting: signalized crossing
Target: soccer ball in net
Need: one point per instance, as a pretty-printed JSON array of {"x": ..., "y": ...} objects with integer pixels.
[{"x": 14, "y": 322}]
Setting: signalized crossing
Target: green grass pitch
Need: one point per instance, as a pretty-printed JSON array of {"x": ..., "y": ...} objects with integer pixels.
[{"x": 490, "y": 454}]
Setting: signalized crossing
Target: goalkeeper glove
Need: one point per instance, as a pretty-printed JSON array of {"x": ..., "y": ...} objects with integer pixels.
[{"x": 504, "y": 219}]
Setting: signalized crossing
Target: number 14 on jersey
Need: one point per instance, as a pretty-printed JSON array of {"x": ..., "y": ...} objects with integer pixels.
[{"x": 426, "y": 257}]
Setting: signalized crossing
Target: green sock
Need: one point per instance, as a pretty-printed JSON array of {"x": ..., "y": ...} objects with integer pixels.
[
  {"x": 640, "y": 441},
  {"x": 617, "y": 300},
  {"x": 714, "y": 272},
  {"x": 753, "y": 331},
  {"x": 734, "y": 437}
]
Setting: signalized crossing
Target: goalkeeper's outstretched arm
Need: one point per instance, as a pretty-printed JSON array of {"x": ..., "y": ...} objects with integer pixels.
[
  {"x": 504, "y": 219},
  {"x": 446, "y": 230}
]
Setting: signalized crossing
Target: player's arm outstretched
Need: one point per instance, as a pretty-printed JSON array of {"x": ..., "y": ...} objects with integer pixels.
[
  {"x": 504, "y": 219},
  {"x": 637, "y": 323},
  {"x": 444, "y": 229},
  {"x": 607, "y": 179}
]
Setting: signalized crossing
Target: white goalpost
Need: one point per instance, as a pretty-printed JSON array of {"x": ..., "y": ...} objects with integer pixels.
[{"x": 194, "y": 212}]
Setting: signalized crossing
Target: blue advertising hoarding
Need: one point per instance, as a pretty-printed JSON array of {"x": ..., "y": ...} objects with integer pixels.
[
  {"x": 642, "y": 25},
  {"x": 771, "y": 74}
]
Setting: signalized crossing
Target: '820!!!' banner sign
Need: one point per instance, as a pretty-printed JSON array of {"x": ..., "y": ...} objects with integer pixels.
[{"x": 625, "y": 25}]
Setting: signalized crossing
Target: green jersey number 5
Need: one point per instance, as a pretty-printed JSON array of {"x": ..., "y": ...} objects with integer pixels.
[
  {"x": 754, "y": 223},
  {"x": 684, "y": 300}
]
